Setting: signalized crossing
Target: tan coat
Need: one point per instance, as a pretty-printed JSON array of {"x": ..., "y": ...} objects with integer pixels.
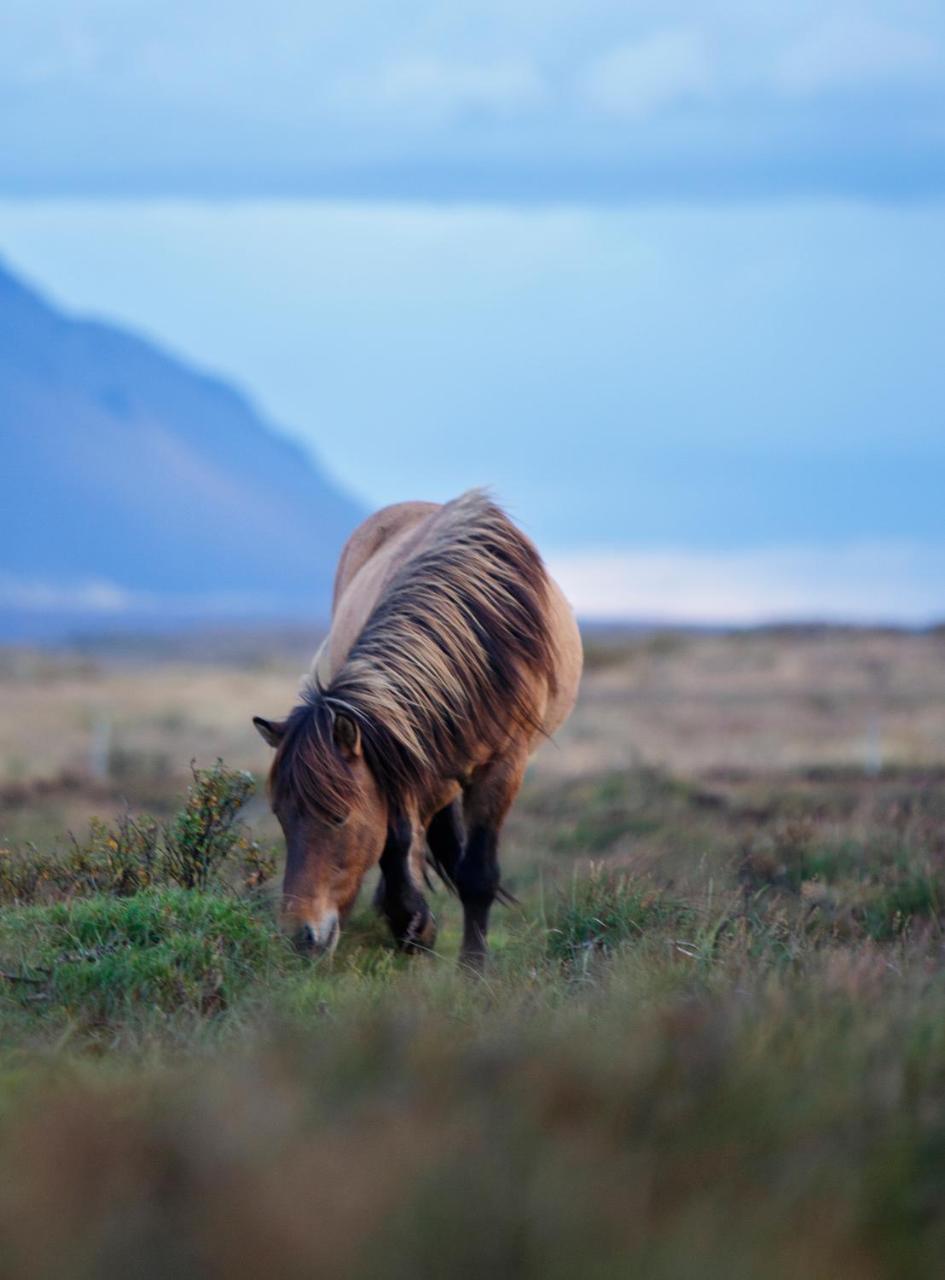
[
  {"x": 378, "y": 548},
  {"x": 451, "y": 657}
]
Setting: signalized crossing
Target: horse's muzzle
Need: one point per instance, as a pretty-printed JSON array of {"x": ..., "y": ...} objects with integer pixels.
[{"x": 318, "y": 939}]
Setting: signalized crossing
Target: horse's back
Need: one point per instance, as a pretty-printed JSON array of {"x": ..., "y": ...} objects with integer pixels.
[
  {"x": 569, "y": 653},
  {"x": 376, "y": 550},
  {"x": 372, "y": 535}
]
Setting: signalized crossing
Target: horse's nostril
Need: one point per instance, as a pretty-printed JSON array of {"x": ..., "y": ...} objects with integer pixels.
[
  {"x": 307, "y": 940},
  {"x": 304, "y": 939},
  {"x": 317, "y": 940}
]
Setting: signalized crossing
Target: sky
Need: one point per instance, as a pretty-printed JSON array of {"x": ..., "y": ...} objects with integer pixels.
[
  {"x": 669, "y": 276},
  {"x": 498, "y": 99}
]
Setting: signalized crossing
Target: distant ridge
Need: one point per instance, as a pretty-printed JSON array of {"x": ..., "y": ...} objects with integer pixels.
[{"x": 137, "y": 490}]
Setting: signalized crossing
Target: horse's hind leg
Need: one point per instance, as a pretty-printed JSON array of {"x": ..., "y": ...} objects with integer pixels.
[
  {"x": 488, "y": 799},
  {"x": 398, "y": 896},
  {"x": 445, "y": 837}
]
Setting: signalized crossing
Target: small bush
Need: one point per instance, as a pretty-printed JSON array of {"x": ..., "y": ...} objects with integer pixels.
[
  {"x": 203, "y": 841},
  {"x": 118, "y": 860},
  {"x": 207, "y": 830}
]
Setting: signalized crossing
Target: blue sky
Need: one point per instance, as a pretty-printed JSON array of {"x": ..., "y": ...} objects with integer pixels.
[
  {"x": 669, "y": 276},
  {"x": 499, "y": 99}
]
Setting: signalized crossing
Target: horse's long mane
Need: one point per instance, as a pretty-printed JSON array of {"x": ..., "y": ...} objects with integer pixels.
[{"x": 447, "y": 661}]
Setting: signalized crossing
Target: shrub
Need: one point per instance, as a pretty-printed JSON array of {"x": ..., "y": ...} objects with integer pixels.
[
  {"x": 204, "y": 840},
  {"x": 207, "y": 830},
  {"x": 117, "y": 860}
]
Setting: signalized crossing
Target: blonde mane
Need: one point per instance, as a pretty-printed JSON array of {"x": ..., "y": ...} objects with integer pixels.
[{"x": 451, "y": 661}]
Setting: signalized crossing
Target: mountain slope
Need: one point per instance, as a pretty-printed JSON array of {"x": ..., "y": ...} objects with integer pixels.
[{"x": 133, "y": 484}]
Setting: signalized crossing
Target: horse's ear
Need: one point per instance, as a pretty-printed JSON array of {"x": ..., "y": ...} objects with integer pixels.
[
  {"x": 269, "y": 730},
  {"x": 347, "y": 736}
]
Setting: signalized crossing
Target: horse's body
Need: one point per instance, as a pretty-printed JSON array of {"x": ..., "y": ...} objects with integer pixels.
[
  {"x": 376, "y": 550},
  {"x": 451, "y": 657}
]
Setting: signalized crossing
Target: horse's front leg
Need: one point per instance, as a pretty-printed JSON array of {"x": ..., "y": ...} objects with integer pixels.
[
  {"x": 487, "y": 801},
  {"x": 398, "y": 896}
]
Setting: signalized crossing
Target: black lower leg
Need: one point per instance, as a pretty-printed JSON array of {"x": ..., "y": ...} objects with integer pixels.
[
  {"x": 445, "y": 837},
  {"x": 477, "y": 879},
  {"x": 398, "y": 898}
]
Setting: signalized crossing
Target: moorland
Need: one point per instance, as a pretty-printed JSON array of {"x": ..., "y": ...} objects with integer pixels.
[{"x": 710, "y": 1042}]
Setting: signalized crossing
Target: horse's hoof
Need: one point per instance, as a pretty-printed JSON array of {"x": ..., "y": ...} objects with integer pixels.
[{"x": 420, "y": 934}]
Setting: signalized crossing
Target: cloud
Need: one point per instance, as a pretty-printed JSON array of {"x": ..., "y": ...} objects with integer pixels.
[
  {"x": 848, "y": 53},
  {"x": 446, "y": 88},
  {"x": 863, "y": 583},
  {"x": 487, "y": 101},
  {"x": 91, "y": 596},
  {"x": 646, "y": 76},
  {"x": 105, "y": 599}
]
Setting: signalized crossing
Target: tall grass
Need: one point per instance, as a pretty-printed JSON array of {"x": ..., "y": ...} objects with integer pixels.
[{"x": 711, "y": 1043}]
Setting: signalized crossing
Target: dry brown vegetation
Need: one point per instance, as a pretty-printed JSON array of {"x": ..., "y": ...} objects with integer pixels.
[{"x": 712, "y": 1042}]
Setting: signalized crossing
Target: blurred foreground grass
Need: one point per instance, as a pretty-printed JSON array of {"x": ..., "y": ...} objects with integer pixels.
[{"x": 711, "y": 1042}]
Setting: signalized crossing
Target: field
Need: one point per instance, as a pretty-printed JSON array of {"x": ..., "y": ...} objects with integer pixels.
[{"x": 711, "y": 1041}]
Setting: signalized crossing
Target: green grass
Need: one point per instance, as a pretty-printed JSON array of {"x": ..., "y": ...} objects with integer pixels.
[
  {"x": 106, "y": 960},
  {"x": 711, "y": 1043},
  {"x": 606, "y": 911}
]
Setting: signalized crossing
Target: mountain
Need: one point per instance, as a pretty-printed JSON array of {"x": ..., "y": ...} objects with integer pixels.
[{"x": 134, "y": 488}]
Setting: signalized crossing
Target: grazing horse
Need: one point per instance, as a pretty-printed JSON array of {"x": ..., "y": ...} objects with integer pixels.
[{"x": 451, "y": 656}]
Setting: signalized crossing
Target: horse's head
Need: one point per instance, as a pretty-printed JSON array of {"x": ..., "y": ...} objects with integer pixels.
[{"x": 332, "y": 814}]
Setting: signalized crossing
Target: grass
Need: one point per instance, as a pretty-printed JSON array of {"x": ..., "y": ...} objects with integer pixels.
[
  {"x": 711, "y": 1041},
  {"x": 678, "y": 1114},
  {"x": 102, "y": 960},
  {"x": 605, "y": 912}
]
